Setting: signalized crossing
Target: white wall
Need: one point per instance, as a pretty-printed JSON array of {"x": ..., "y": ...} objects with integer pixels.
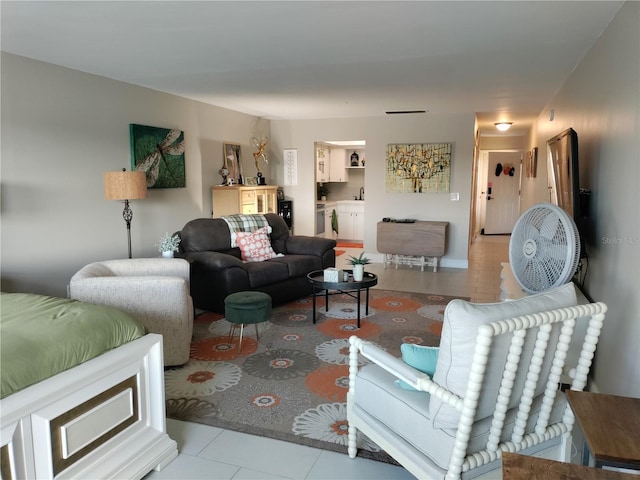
[
  {"x": 61, "y": 129},
  {"x": 601, "y": 102},
  {"x": 378, "y": 132}
]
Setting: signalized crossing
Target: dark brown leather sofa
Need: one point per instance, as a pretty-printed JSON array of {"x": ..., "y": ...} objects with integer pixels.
[{"x": 217, "y": 269}]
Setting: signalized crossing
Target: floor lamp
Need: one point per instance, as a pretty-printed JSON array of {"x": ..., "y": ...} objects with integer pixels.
[{"x": 125, "y": 186}]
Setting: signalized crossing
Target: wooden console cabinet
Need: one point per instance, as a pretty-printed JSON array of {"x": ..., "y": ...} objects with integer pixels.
[
  {"x": 230, "y": 200},
  {"x": 417, "y": 243}
]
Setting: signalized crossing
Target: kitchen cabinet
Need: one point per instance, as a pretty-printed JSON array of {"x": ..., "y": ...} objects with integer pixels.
[
  {"x": 350, "y": 220},
  {"x": 328, "y": 230},
  {"x": 332, "y": 164},
  {"x": 338, "y": 166},
  {"x": 230, "y": 200},
  {"x": 323, "y": 161}
]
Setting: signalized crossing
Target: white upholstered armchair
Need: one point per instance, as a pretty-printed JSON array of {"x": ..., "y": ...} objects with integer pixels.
[
  {"x": 495, "y": 387},
  {"x": 155, "y": 291}
]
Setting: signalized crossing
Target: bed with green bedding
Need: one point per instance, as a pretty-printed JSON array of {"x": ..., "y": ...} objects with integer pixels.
[
  {"x": 42, "y": 336},
  {"x": 82, "y": 392}
]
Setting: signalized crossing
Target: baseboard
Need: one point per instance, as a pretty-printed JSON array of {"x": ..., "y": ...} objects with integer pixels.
[{"x": 454, "y": 263}]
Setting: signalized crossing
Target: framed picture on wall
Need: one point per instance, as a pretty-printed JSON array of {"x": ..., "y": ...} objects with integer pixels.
[
  {"x": 532, "y": 162},
  {"x": 232, "y": 162},
  {"x": 159, "y": 153}
]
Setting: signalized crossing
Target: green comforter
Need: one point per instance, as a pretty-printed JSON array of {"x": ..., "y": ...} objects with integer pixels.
[{"x": 41, "y": 336}]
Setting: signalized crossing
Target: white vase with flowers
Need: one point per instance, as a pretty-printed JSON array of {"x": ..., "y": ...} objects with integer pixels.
[{"x": 168, "y": 245}]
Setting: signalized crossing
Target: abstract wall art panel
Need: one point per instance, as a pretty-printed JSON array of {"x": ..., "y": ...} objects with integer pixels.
[{"x": 418, "y": 167}]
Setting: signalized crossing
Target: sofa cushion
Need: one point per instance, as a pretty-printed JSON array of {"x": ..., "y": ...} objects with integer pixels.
[
  {"x": 457, "y": 344},
  {"x": 300, "y": 265},
  {"x": 255, "y": 246},
  {"x": 205, "y": 235},
  {"x": 266, "y": 273}
]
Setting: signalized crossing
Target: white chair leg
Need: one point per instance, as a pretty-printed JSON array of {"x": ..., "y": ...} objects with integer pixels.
[
  {"x": 566, "y": 442},
  {"x": 353, "y": 447}
]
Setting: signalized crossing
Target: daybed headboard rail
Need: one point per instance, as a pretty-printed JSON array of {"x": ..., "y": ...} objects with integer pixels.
[{"x": 536, "y": 372}]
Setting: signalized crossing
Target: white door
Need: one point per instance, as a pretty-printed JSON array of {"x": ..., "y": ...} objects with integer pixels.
[{"x": 502, "y": 192}]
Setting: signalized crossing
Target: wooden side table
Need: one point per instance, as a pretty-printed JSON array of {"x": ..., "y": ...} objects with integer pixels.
[
  {"x": 410, "y": 243},
  {"x": 611, "y": 428},
  {"x": 525, "y": 467}
]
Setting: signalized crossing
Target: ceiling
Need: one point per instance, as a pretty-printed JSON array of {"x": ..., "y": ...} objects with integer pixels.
[{"x": 503, "y": 60}]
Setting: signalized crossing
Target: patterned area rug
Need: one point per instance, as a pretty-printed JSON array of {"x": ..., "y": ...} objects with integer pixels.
[{"x": 292, "y": 383}]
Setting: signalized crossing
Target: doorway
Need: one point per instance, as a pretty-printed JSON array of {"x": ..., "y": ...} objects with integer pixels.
[
  {"x": 340, "y": 177},
  {"x": 497, "y": 199}
]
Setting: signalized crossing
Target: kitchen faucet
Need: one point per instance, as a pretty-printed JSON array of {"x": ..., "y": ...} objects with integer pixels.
[{"x": 361, "y": 193}]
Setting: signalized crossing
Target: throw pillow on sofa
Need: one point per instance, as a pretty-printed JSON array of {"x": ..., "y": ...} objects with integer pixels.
[{"x": 255, "y": 246}]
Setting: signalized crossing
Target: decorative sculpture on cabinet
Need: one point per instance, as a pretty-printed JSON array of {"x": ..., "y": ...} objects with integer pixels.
[{"x": 261, "y": 145}]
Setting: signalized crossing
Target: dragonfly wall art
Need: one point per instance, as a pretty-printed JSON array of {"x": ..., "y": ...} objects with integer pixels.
[{"x": 159, "y": 153}]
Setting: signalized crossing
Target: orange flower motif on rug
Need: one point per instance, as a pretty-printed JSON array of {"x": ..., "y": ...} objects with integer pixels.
[
  {"x": 214, "y": 349},
  {"x": 330, "y": 382},
  {"x": 435, "y": 328},
  {"x": 340, "y": 427}
]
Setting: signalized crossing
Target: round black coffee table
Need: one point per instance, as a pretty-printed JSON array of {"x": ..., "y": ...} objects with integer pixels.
[{"x": 350, "y": 287}]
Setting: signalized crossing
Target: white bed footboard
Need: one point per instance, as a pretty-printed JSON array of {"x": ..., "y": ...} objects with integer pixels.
[{"x": 102, "y": 419}]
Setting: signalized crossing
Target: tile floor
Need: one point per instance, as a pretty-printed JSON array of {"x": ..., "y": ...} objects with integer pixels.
[{"x": 212, "y": 453}]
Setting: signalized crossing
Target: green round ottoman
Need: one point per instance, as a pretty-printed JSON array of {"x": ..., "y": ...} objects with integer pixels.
[{"x": 244, "y": 308}]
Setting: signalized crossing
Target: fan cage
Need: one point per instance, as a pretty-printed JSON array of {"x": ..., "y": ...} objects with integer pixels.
[{"x": 544, "y": 250}]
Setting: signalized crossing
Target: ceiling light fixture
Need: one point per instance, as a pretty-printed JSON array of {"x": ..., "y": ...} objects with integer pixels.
[{"x": 503, "y": 126}]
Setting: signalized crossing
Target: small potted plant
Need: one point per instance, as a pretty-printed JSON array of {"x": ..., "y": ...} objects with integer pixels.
[
  {"x": 358, "y": 266},
  {"x": 168, "y": 244},
  {"x": 323, "y": 191}
]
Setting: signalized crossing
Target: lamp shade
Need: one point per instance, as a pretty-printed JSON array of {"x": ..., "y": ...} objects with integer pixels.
[{"x": 125, "y": 185}]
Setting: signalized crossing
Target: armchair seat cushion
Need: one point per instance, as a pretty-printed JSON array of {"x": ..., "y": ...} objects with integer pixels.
[{"x": 406, "y": 413}]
